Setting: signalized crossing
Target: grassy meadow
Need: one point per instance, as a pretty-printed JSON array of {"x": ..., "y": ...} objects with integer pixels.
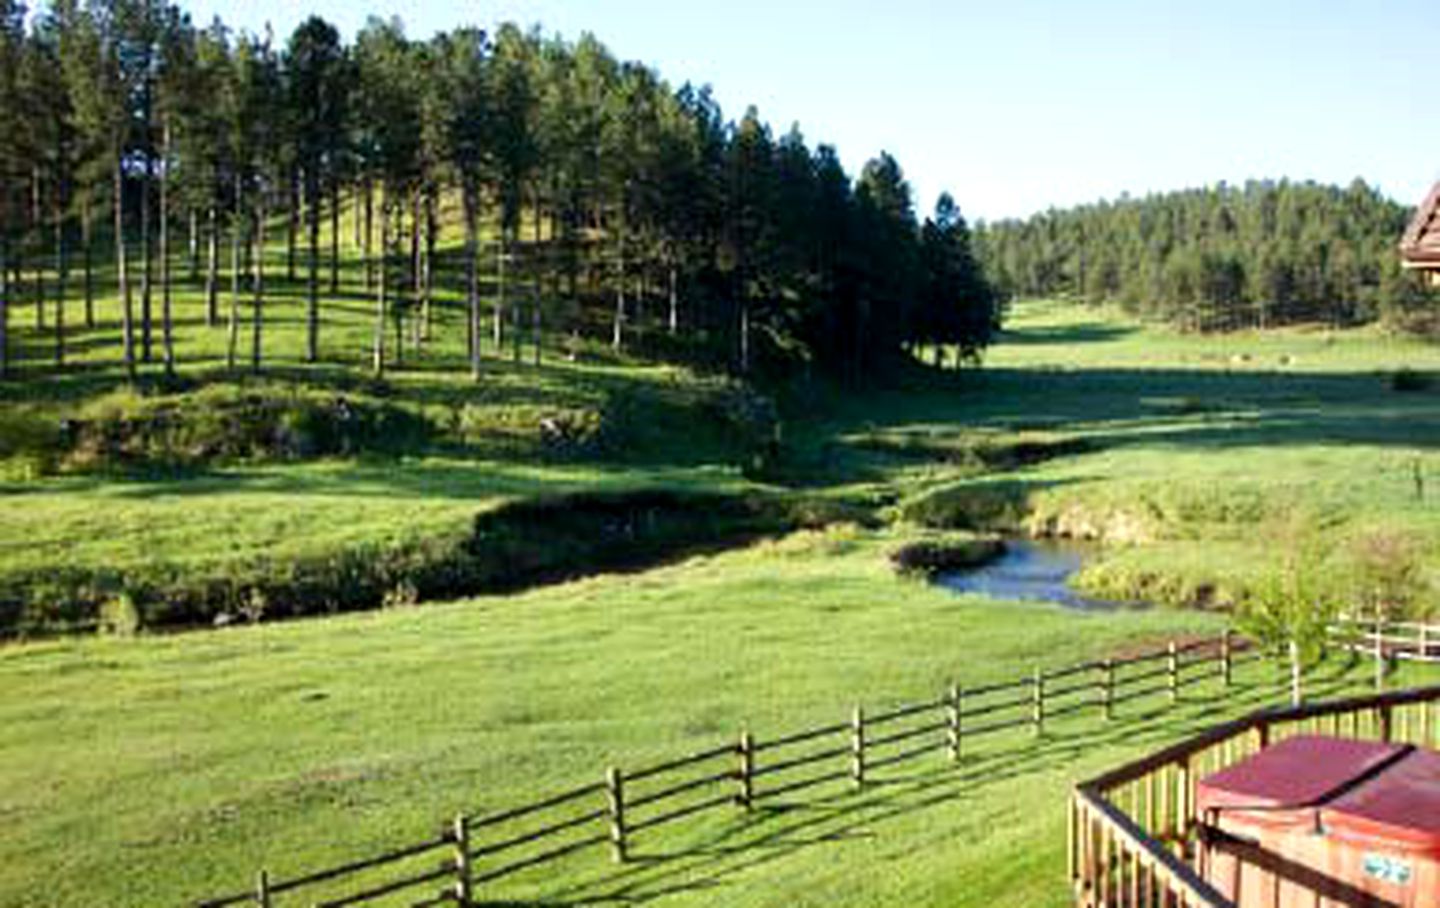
[{"x": 161, "y": 768}]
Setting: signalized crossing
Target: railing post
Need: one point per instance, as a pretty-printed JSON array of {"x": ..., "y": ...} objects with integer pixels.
[
  {"x": 262, "y": 889},
  {"x": 746, "y": 775},
  {"x": 1107, "y": 689},
  {"x": 857, "y": 747},
  {"x": 1226, "y": 663},
  {"x": 1037, "y": 711},
  {"x": 1262, "y": 734},
  {"x": 952, "y": 721},
  {"x": 463, "y": 893},
  {"x": 615, "y": 798},
  {"x": 1173, "y": 664},
  {"x": 1387, "y": 723}
]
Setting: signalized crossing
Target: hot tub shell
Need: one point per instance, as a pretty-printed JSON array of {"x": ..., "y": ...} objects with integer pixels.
[{"x": 1322, "y": 822}]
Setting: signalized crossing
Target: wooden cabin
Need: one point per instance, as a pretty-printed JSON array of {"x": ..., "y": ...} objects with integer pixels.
[{"x": 1420, "y": 249}]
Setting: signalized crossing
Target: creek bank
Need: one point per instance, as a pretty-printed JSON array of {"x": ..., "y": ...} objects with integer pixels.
[
  {"x": 517, "y": 545},
  {"x": 1114, "y": 533}
]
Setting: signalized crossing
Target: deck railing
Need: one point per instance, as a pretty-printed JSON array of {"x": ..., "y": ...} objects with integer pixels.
[{"x": 1133, "y": 831}]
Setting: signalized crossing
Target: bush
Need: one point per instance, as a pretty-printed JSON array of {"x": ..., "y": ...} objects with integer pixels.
[
  {"x": 119, "y": 617},
  {"x": 228, "y": 423},
  {"x": 1407, "y": 379},
  {"x": 951, "y": 552}
]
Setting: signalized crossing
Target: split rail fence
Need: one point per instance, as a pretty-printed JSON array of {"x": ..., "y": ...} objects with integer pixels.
[
  {"x": 471, "y": 854},
  {"x": 1408, "y": 641},
  {"x": 1134, "y": 831}
]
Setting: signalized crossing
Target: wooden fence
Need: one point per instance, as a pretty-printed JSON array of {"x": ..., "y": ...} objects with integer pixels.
[
  {"x": 471, "y": 853},
  {"x": 1391, "y": 641},
  {"x": 1133, "y": 831}
]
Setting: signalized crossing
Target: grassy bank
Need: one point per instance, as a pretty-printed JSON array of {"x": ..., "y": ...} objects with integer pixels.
[
  {"x": 144, "y": 772},
  {"x": 152, "y": 770}
]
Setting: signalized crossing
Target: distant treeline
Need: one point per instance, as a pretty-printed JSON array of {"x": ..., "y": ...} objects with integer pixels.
[
  {"x": 1226, "y": 257},
  {"x": 595, "y": 200}
]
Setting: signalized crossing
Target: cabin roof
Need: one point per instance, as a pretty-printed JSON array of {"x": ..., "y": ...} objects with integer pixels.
[{"x": 1420, "y": 247}]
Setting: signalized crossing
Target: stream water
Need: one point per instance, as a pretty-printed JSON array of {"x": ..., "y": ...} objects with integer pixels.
[{"x": 1029, "y": 570}]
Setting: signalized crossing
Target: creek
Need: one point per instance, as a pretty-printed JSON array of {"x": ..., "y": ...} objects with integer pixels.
[{"x": 1030, "y": 570}]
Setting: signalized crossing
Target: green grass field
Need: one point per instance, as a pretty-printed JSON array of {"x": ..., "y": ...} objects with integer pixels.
[{"x": 154, "y": 770}]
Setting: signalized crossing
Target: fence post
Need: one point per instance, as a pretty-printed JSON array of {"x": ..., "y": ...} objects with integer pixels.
[
  {"x": 857, "y": 747},
  {"x": 463, "y": 893},
  {"x": 1173, "y": 662},
  {"x": 747, "y": 769},
  {"x": 1424, "y": 643},
  {"x": 1107, "y": 688},
  {"x": 1379, "y": 642},
  {"x": 1038, "y": 707},
  {"x": 615, "y": 797},
  {"x": 952, "y": 717},
  {"x": 1226, "y": 663},
  {"x": 262, "y": 889}
]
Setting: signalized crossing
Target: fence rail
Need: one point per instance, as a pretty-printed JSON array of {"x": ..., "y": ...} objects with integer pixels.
[
  {"x": 1410, "y": 641},
  {"x": 611, "y": 812},
  {"x": 1134, "y": 830}
]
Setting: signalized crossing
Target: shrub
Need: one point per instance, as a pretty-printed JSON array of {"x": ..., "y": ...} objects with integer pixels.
[
  {"x": 949, "y": 552},
  {"x": 119, "y": 617},
  {"x": 1406, "y": 379}
]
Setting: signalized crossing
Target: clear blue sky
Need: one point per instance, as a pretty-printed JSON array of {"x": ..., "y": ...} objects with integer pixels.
[{"x": 1018, "y": 105}]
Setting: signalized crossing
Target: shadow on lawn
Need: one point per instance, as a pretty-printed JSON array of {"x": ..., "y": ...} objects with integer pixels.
[{"x": 775, "y": 831}]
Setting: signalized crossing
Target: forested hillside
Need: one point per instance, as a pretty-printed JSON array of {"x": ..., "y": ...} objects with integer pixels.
[
  {"x": 1223, "y": 257},
  {"x": 547, "y": 190}
]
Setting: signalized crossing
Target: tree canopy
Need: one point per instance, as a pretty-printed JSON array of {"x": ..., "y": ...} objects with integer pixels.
[{"x": 596, "y": 200}]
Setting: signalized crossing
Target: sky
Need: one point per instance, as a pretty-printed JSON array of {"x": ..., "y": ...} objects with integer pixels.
[{"x": 1020, "y": 105}]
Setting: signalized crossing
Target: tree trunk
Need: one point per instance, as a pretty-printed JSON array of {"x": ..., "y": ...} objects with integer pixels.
[
  {"x": 194, "y": 240},
  {"x": 212, "y": 267},
  {"x": 744, "y": 337},
  {"x": 516, "y": 334},
  {"x": 428, "y": 266},
  {"x": 257, "y": 311},
  {"x": 357, "y": 240},
  {"x": 501, "y": 255},
  {"x": 232, "y": 334},
  {"x": 167, "y": 319},
  {"x": 292, "y": 223},
  {"x": 334, "y": 237},
  {"x": 617, "y": 331},
  {"x": 472, "y": 278},
  {"x": 674, "y": 303},
  {"x": 62, "y": 266},
  {"x": 536, "y": 315},
  {"x": 37, "y": 226},
  {"x": 312, "y": 303},
  {"x": 397, "y": 243},
  {"x": 147, "y": 352},
  {"x": 417, "y": 288},
  {"x": 369, "y": 235},
  {"x": 86, "y": 237},
  {"x": 122, "y": 277},
  {"x": 378, "y": 362}
]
